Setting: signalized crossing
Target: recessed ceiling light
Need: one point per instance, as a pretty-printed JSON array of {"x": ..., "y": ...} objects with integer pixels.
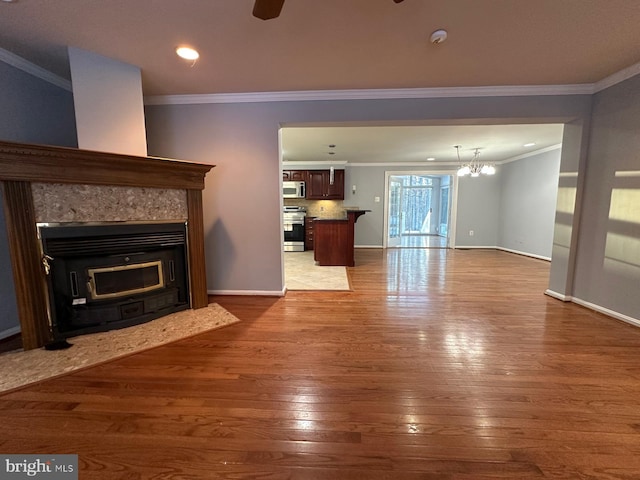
[
  {"x": 187, "y": 53},
  {"x": 10, "y": 1},
  {"x": 438, "y": 36},
  {"x": 431, "y": 159},
  {"x": 529, "y": 144}
]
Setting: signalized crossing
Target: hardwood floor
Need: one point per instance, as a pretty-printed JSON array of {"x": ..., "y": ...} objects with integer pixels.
[
  {"x": 439, "y": 365},
  {"x": 423, "y": 241}
]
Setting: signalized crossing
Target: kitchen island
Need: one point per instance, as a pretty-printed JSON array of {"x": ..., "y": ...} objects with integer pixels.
[{"x": 334, "y": 239}]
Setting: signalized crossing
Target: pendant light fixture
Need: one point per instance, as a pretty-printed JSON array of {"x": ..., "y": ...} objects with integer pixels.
[{"x": 474, "y": 167}]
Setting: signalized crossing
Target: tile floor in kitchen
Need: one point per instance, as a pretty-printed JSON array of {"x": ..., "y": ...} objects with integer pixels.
[{"x": 301, "y": 273}]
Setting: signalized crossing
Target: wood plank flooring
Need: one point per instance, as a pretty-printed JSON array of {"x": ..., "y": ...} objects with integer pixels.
[{"x": 439, "y": 365}]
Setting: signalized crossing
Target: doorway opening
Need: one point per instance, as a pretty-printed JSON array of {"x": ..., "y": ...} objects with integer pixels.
[{"x": 418, "y": 210}]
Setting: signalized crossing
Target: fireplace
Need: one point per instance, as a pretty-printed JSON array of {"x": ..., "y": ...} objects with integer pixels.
[
  {"x": 112, "y": 275},
  {"x": 118, "y": 188}
]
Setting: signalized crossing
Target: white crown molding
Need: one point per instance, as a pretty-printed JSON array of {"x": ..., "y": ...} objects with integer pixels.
[
  {"x": 371, "y": 94},
  {"x": 317, "y": 163},
  {"x": 621, "y": 76},
  {"x": 531, "y": 154},
  {"x": 424, "y": 165},
  {"x": 33, "y": 69}
]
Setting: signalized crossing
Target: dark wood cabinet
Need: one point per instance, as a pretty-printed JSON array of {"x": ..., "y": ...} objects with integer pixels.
[
  {"x": 308, "y": 233},
  {"x": 320, "y": 187},
  {"x": 294, "y": 175},
  {"x": 334, "y": 239}
]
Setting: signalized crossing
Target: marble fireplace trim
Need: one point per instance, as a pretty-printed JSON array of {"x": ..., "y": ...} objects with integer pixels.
[{"x": 56, "y": 202}]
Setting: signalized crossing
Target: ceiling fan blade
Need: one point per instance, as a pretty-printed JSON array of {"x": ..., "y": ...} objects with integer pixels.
[
  {"x": 398, "y": 1},
  {"x": 267, "y": 9}
]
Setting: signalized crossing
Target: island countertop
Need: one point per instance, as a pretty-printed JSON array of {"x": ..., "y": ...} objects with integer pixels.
[
  {"x": 334, "y": 239},
  {"x": 343, "y": 218}
]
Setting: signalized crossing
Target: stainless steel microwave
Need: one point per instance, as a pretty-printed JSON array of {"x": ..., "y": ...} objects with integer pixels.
[{"x": 293, "y": 190}]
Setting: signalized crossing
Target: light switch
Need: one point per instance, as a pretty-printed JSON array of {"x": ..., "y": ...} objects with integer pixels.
[{"x": 376, "y": 199}]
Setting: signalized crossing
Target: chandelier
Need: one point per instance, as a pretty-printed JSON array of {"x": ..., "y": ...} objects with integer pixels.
[{"x": 474, "y": 167}]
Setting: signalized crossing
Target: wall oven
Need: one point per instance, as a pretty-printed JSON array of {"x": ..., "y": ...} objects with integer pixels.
[{"x": 293, "y": 220}]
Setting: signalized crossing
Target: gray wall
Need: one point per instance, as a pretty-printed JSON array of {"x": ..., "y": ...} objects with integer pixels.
[
  {"x": 608, "y": 263},
  {"x": 528, "y": 191},
  {"x": 478, "y": 211},
  {"x": 34, "y": 111},
  {"x": 573, "y": 159},
  {"x": 477, "y": 204},
  {"x": 242, "y": 195},
  {"x": 31, "y": 111},
  {"x": 369, "y": 181}
]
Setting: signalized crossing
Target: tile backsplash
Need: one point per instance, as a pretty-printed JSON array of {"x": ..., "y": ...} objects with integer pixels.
[{"x": 319, "y": 208}]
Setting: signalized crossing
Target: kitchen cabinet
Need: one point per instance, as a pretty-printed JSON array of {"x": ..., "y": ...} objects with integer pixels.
[
  {"x": 334, "y": 239},
  {"x": 308, "y": 233},
  {"x": 294, "y": 175},
  {"x": 319, "y": 186}
]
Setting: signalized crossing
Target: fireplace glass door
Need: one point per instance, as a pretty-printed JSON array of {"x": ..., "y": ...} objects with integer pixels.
[{"x": 123, "y": 280}]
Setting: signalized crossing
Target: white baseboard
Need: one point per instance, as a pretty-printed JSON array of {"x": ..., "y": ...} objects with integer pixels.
[
  {"x": 509, "y": 250},
  {"x": 9, "y": 332},
  {"x": 368, "y": 246},
  {"x": 559, "y": 296},
  {"x": 525, "y": 254},
  {"x": 594, "y": 307},
  {"x": 606, "y": 311},
  {"x": 259, "y": 293}
]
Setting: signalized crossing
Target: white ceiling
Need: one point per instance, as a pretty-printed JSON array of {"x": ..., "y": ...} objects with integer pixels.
[
  {"x": 414, "y": 144},
  {"x": 344, "y": 44},
  {"x": 333, "y": 44}
]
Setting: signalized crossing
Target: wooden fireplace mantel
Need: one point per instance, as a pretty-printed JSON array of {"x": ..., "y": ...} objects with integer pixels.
[{"x": 23, "y": 164}]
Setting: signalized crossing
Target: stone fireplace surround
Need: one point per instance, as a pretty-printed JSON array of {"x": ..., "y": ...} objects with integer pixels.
[{"x": 56, "y": 184}]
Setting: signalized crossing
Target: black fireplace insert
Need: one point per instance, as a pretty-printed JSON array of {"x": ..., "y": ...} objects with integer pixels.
[{"x": 112, "y": 275}]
